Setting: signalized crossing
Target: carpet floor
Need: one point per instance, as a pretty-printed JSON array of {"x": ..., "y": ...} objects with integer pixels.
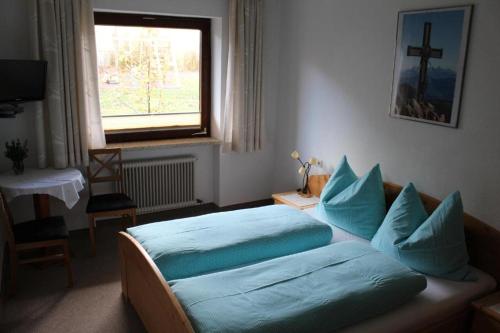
[{"x": 42, "y": 302}]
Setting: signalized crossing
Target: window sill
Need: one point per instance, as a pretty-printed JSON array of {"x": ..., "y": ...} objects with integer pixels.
[{"x": 168, "y": 143}]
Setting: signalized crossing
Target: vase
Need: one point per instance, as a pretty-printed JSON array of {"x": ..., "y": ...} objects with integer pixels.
[
  {"x": 18, "y": 167},
  {"x": 304, "y": 194}
]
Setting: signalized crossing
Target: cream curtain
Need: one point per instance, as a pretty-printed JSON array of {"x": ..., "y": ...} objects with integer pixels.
[
  {"x": 70, "y": 123},
  {"x": 242, "y": 120}
]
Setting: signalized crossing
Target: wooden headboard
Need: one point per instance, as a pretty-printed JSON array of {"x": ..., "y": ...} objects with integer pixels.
[{"x": 483, "y": 241}]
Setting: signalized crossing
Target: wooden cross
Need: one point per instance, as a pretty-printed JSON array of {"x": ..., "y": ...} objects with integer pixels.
[{"x": 425, "y": 52}]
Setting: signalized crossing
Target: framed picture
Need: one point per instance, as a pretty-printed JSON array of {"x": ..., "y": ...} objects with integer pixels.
[{"x": 429, "y": 64}]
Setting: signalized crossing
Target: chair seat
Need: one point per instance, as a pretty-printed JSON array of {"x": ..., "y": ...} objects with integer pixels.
[
  {"x": 109, "y": 202},
  {"x": 49, "y": 228}
]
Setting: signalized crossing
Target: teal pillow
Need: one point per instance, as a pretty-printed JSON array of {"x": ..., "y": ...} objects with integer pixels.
[
  {"x": 339, "y": 181},
  {"x": 358, "y": 208},
  {"x": 436, "y": 246},
  {"x": 404, "y": 217}
]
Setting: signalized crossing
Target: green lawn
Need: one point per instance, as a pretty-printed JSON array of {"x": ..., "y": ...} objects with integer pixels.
[{"x": 122, "y": 99}]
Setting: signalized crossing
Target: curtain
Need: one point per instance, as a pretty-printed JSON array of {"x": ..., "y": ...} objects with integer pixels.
[
  {"x": 70, "y": 123},
  {"x": 242, "y": 119}
]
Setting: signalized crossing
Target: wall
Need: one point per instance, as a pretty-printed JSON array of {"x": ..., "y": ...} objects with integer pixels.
[
  {"x": 15, "y": 44},
  {"x": 335, "y": 87}
]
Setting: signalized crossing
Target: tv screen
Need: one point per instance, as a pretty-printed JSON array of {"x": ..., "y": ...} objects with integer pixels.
[{"x": 22, "y": 80}]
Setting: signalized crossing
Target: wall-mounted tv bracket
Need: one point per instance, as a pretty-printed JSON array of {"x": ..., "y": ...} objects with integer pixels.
[{"x": 10, "y": 110}]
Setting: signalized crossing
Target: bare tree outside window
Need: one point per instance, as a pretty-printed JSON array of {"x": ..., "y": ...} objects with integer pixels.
[{"x": 148, "y": 77}]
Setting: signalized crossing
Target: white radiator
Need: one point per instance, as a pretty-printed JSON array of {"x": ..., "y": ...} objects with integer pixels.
[{"x": 160, "y": 184}]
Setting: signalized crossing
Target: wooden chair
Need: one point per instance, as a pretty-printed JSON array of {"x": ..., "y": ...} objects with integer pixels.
[
  {"x": 50, "y": 232},
  {"x": 106, "y": 166}
]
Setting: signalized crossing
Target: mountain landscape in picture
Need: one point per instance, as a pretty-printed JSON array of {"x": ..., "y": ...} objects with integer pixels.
[{"x": 438, "y": 97}]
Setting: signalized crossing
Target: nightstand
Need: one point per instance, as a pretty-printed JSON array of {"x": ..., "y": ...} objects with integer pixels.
[
  {"x": 487, "y": 314},
  {"x": 293, "y": 199}
]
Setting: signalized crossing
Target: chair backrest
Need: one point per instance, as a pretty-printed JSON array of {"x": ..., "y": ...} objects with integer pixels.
[
  {"x": 6, "y": 223},
  {"x": 105, "y": 166}
]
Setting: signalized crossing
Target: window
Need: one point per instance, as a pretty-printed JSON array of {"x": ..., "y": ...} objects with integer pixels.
[{"x": 154, "y": 76}]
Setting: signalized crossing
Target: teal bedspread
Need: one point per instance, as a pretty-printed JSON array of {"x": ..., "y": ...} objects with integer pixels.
[
  {"x": 321, "y": 290},
  {"x": 198, "y": 245}
]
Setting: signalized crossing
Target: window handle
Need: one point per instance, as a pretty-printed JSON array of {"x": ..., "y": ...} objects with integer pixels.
[{"x": 204, "y": 132}]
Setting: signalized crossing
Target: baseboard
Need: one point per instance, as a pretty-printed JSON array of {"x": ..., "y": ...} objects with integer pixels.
[{"x": 252, "y": 204}]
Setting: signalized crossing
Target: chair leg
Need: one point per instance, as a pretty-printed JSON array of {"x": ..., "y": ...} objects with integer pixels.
[
  {"x": 92, "y": 234},
  {"x": 133, "y": 217},
  {"x": 123, "y": 221},
  {"x": 67, "y": 263},
  {"x": 11, "y": 290}
]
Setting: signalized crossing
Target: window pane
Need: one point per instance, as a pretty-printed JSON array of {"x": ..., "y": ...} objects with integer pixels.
[{"x": 148, "y": 77}]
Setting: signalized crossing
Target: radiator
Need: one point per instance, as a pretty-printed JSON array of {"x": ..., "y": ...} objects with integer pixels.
[{"x": 160, "y": 184}]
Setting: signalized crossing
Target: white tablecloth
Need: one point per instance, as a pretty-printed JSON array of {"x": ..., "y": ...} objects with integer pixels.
[{"x": 63, "y": 184}]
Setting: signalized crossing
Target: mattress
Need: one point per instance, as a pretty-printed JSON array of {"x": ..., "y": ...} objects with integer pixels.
[
  {"x": 208, "y": 243},
  {"x": 440, "y": 299},
  {"x": 319, "y": 290}
]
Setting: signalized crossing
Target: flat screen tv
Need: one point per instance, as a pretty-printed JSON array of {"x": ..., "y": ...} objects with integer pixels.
[{"x": 22, "y": 80}]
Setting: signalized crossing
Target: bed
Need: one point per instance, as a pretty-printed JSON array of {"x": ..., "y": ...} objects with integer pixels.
[
  {"x": 213, "y": 242},
  {"x": 320, "y": 290},
  {"x": 443, "y": 305},
  {"x": 441, "y": 299}
]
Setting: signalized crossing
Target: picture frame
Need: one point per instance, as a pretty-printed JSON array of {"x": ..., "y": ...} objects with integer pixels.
[{"x": 429, "y": 64}]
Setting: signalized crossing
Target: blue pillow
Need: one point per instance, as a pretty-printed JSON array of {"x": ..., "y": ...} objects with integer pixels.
[
  {"x": 359, "y": 207},
  {"x": 436, "y": 246},
  {"x": 339, "y": 181},
  {"x": 404, "y": 217}
]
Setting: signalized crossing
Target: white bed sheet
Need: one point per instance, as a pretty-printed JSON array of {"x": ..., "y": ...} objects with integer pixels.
[{"x": 441, "y": 299}]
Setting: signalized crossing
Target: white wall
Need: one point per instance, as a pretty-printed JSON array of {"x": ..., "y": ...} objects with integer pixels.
[
  {"x": 15, "y": 44},
  {"x": 335, "y": 86},
  {"x": 201, "y": 8}
]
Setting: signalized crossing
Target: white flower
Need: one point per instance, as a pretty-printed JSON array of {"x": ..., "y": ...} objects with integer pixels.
[
  {"x": 295, "y": 155},
  {"x": 313, "y": 161},
  {"x": 302, "y": 170}
]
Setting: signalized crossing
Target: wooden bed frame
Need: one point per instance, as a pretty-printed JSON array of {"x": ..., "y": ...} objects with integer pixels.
[{"x": 145, "y": 288}]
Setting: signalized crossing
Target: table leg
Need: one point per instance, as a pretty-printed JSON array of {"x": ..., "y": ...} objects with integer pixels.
[{"x": 42, "y": 205}]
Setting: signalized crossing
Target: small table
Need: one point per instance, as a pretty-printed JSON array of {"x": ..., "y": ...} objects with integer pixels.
[
  {"x": 63, "y": 184},
  {"x": 487, "y": 314},
  {"x": 293, "y": 199}
]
